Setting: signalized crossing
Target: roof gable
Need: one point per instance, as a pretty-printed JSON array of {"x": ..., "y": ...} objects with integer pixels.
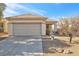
[{"x": 28, "y": 16}]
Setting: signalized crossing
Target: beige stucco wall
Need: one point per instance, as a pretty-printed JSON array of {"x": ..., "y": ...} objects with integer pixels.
[
  {"x": 54, "y": 27},
  {"x": 43, "y": 29},
  {"x": 5, "y": 26},
  {"x": 10, "y": 29}
]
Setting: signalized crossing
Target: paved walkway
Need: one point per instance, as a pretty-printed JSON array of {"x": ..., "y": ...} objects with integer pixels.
[{"x": 21, "y": 46}]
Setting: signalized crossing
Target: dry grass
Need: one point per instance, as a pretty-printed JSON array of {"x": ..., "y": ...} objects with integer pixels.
[{"x": 61, "y": 42}]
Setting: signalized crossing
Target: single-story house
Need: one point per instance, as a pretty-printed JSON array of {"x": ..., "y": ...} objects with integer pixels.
[{"x": 28, "y": 24}]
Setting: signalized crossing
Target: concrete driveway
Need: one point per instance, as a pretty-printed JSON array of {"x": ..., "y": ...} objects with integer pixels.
[{"x": 21, "y": 46}]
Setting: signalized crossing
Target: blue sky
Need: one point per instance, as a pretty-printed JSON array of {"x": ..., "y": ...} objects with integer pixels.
[{"x": 51, "y": 10}]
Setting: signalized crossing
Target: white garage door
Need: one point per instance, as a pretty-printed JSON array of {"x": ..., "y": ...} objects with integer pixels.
[{"x": 26, "y": 29}]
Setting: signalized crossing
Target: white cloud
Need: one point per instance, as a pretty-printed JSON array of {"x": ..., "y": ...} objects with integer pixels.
[
  {"x": 13, "y": 9},
  {"x": 9, "y": 12}
]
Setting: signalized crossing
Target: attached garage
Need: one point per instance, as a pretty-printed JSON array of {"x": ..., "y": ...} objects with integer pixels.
[{"x": 27, "y": 25}]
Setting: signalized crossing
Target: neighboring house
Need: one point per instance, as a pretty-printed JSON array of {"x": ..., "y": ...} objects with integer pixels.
[
  {"x": 51, "y": 26},
  {"x": 3, "y": 28},
  {"x": 28, "y": 24},
  {"x": 54, "y": 26}
]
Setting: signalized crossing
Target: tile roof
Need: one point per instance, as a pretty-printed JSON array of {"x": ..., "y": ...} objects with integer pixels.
[{"x": 28, "y": 16}]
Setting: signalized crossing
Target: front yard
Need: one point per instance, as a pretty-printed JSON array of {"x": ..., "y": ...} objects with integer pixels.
[
  {"x": 24, "y": 46},
  {"x": 61, "y": 42}
]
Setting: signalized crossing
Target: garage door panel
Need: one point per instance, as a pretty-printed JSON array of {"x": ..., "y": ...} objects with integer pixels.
[{"x": 26, "y": 29}]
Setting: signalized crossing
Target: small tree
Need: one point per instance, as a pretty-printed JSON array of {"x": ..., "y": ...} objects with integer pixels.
[
  {"x": 68, "y": 27},
  {"x": 2, "y": 8},
  {"x": 70, "y": 32}
]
